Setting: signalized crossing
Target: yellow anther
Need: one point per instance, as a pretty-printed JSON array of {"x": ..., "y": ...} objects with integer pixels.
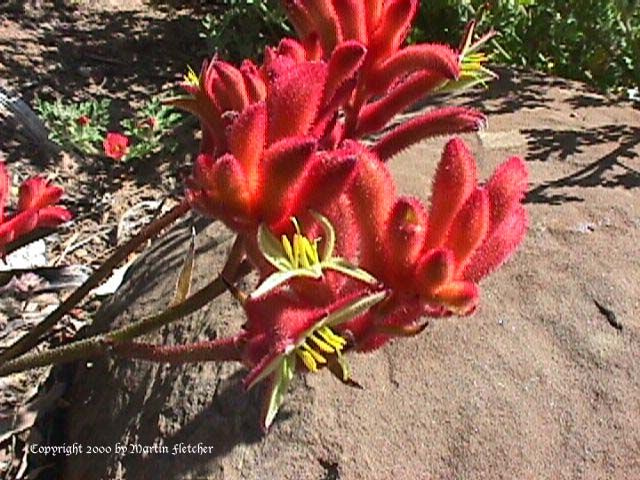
[
  {"x": 287, "y": 248},
  {"x": 322, "y": 345},
  {"x": 336, "y": 341},
  {"x": 308, "y": 360},
  {"x": 296, "y": 250},
  {"x": 311, "y": 251},
  {"x": 315, "y": 354}
]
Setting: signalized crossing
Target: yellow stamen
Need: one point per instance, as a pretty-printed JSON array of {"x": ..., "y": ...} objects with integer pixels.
[
  {"x": 316, "y": 356},
  {"x": 332, "y": 339},
  {"x": 322, "y": 345},
  {"x": 308, "y": 360},
  {"x": 287, "y": 248}
]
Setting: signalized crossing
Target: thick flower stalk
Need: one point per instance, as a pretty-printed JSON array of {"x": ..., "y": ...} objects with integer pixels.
[{"x": 36, "y": 208}]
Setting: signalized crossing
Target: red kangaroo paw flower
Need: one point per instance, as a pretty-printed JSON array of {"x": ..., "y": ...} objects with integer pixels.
[
  {"x": 36, "y": 208},
  {"x": 230, "y": 89},
  {"x": 453, "y": 183},
  {"x": 246, "y": 139},
  {"x": 344, "y": 63},
  {"x": 445, "y": 121},
  {"x": 440, "y": 59},
  {"x": 255, "y": 86},
  {"x": 507, "y": 188},
  {"x": 372, "y": 194},
  {"x": 50, "y": 217},
  {"x": 392, "y": 28},
  {"x": 327, "y": 176},
  {"x": 376, "y": 115},
  {"x": 293, "y": 49},
  {"x": 283, "y": 165},
  {"x": 498, "y": 247},
  {"x": 459, "y": 297},
  {"x": 326, "y": 24},
  {"x": 407, "y": 227},
  {"x": 293, "y": 100},
  {"x": 469, "y": 227},
  {"x": 373, "y": 12},
  {"x": 299, "y": 17},
  {"x": 352, "y": 19},
  {"x": 38, "y": 193},
  {"x": 435, "y": 269}
]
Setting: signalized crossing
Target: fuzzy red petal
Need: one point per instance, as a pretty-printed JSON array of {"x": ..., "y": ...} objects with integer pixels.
[
  {"x": 454, "y": 181},
  {"x": 469, "y": 227},
  {"x": 393, "y": 27},
  {"x": 406, "y": 232},
  {"x": 230, "y": 87},
  {"x": 325, "y": 179},
  {"x": 255, "y": 86},
  {"x": 500, "y": 244},
  {"x": 293, "y": 101},
  {"x": 352, "y": 18},
  {"x": 344, "y": 63},
  {"x": 246, "y": 139},
  {"x": 293, "y": 49},
  {"x": 507, "y": 188},
  {"x": 326, "y": 23},
  {"x": 283, "y": 165},
  {"x": 435, "y": 269},
  {"x": 38, "y": 193},
  {"x": 373, "y": 12},
  {"x": 459, "y": 297},
  {"x": 372, "y": 194},
  {"x": 377, "y": 114},
  {"x": 437, "y": 58},
  {"x": 50, "y": 217},
  {"x": 299, "y": 17},
  {"x": 445, "y": 121}
]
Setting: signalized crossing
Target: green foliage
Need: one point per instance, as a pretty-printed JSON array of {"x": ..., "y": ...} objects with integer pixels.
[
  {"x": 80, "y": 126},
  {"x": 148, "y": 130},
  {"x": 242, "y": 28},
  {"x": 597, "y": 41}
]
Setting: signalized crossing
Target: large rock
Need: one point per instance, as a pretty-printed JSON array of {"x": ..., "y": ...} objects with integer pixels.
[{"x": 540, "y": 383}]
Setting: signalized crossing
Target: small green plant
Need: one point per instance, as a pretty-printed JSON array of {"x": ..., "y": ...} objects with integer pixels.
[
  {"x": 242, "y": 28},
  {"x": 149, "y": 128},
  {"x": 596, "y": 41},
  {"x": 79, "y": 126}
]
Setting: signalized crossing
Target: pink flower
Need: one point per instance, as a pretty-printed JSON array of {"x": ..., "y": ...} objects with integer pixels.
[{"x": 116, "y": 145}]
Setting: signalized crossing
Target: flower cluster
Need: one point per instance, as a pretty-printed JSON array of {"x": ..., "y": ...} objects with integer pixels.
[
  {"x": 36, "y": 208},
  {"x": 282, "y": 140}
]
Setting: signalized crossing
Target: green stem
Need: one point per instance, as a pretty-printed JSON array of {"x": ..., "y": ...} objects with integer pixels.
[
  {"x": 33, "y": 337},
  {"x": 101, "y": 344}
]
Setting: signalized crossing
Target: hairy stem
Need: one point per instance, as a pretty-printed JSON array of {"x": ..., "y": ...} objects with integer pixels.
[{"x": 33, "y": 337}]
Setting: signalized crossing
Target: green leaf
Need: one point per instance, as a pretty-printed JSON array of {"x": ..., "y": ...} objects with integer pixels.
[
  {"x": 272, "y": 250},
  {"x": 329, "y": 236},
  {"x": 278, "y": 278},
  {"x": 346, "y": 268},
  {"x": 278, "y": 389},
  {"x": 354, "y": 309},
  {"x": 186, "y": 273}
]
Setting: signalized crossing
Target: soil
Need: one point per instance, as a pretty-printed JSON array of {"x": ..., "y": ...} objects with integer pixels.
[{"x": 542, "y": 382}]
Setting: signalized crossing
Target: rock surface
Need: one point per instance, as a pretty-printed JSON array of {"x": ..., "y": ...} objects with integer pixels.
[{"x": 540, "y": 383}]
